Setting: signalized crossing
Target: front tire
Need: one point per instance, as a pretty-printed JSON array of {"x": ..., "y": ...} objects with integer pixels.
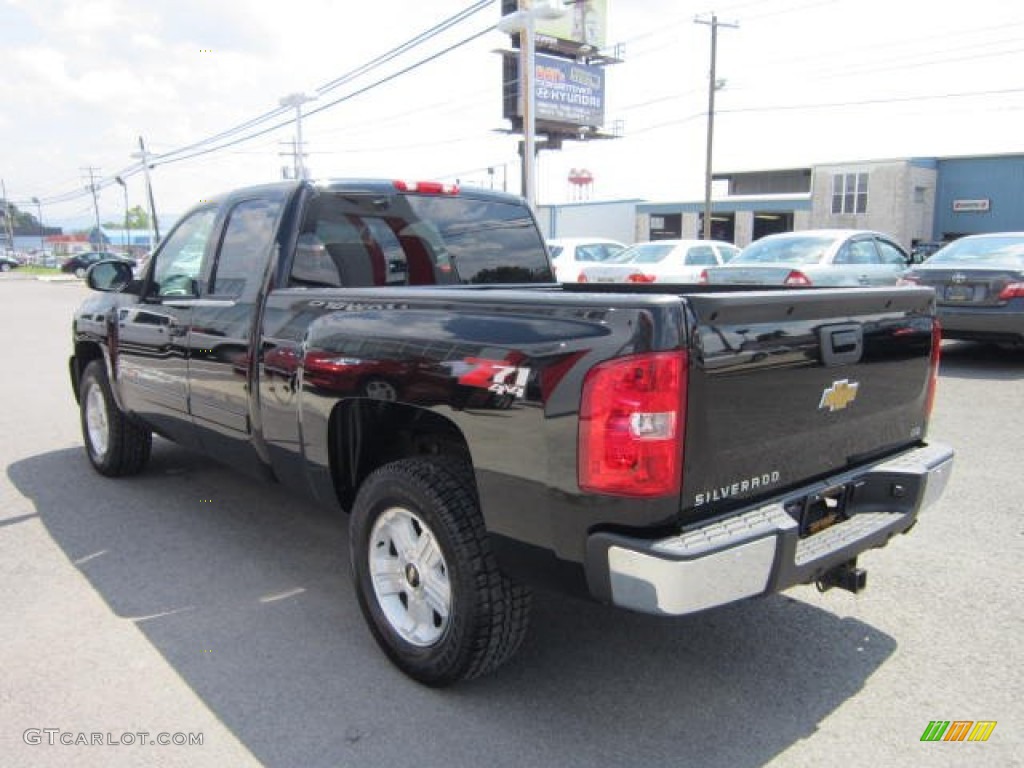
[
  {"x": 115, "y": 444},
  {"x": 428, "y": 584}
]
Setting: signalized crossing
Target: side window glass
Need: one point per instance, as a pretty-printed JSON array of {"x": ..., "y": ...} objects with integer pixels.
[
  {"x": 380, "y": 238},
  {"x": 180, "y": 258},
  {"x": 245, "y": 249},
  {"x": 863, "y": 252},
  {"x": 346, "y": 249},
  {"x": 313, "y": 265},
  {"x": 891, "y": 255},
  {"x": 857, "y": 252}
]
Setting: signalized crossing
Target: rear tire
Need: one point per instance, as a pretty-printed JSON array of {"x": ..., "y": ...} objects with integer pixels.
[
  {"x": 428, "y": 584},
  {"x": 116, "y": 445}
]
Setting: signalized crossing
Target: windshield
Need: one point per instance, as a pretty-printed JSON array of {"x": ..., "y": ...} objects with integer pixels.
[
  {"x": 785, "y": 250},
  {"x": 622, "y": 257},
  {"x": 1005, "y": 252}
]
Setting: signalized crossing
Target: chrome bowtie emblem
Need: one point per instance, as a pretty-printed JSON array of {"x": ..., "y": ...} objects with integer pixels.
[{"x": 958, "y": 277}]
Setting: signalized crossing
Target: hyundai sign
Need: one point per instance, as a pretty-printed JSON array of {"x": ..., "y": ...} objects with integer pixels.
[{"x": 567, "y": 92}]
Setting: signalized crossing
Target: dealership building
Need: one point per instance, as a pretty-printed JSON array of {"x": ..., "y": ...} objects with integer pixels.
[{"x": 913, "y": 199}]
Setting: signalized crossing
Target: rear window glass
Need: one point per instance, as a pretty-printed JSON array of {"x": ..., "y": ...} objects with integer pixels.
[
  {"x": 650, "y": 253},
  {"x": 375, "y": 240},
  {"x": 786, "y": 250},
  {"x": 983, "y": 251}
]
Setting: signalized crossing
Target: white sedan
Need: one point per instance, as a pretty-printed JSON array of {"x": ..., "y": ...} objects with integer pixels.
[
  {"x": 570, "y": 254},
  {"x": 661, "y": 261}
]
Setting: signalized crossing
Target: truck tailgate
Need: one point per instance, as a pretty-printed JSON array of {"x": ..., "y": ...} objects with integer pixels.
[{"x": 787, "y": 387}]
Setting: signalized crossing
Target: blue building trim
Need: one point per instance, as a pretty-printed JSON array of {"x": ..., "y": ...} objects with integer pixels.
[{"x": 979, "y": 194}]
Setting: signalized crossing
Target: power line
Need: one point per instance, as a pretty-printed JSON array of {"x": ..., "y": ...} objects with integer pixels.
[
  {"x": 866, "y": 102},
  {"x": 163, "y": 159},
  {"x": 337, "y": 82},
  {"x": 202, "y": 148}
]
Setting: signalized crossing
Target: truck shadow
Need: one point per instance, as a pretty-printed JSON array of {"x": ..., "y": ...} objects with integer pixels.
[
  {"x": 245, "y": 592},
  {"x": 970, "y": 360}
]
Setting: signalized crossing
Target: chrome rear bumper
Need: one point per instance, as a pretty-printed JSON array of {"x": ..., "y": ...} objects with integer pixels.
[{"x": 759, "y": 550}]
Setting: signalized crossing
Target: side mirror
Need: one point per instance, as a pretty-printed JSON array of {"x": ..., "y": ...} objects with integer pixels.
[{"x": 109, "y": 276}]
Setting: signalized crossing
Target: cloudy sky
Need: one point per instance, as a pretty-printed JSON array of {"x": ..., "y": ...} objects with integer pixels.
[{"x": 805, "y": 81}]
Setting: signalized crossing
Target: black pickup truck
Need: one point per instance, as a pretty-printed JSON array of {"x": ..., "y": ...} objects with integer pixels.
[{"x": 400, "y": 351}]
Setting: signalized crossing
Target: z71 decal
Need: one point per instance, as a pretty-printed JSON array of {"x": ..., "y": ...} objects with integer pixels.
[{"x": 496, "y": 376}]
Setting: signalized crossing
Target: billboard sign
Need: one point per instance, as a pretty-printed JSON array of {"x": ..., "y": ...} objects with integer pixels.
[
  {"x": 585, "y": 22},
  {"x": 569, "y": 93}
]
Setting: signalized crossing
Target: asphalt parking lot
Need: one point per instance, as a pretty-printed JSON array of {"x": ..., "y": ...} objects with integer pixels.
[{"x": 190, "y": 600}]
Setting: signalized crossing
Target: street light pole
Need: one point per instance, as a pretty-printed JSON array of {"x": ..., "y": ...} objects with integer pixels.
[
  {"x": 296, "y": 100},
  {"x": 39, "y": 210},
  {"x": 126, "y": 240},
  {"x": 524, "y": 21},
  {"x": 144, "y": 155}
]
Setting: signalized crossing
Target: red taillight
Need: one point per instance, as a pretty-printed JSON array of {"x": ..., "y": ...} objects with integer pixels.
[
  {"x": 704, "y": 279},
  {"x": 639, "y": 277},
  {"x": 632, "y": 417},
  {"x": 581, "y": 278},
  {"x": 797, "y": 278},
  {"x": 933, "y": 372},
  {"x": 426, "y": 187},
  {"x": 1012, "y": 291},
  {"x": 908, "y": 280}
]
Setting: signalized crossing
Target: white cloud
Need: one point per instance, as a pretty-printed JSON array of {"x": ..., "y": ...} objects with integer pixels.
[{"x": 85, "y": 80}]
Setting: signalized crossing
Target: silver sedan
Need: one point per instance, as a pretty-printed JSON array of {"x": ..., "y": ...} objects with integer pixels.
[{"x": 815, "y": 257}]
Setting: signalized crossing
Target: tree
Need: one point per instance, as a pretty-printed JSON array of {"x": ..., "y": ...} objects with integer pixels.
[
  {"x": 138, "y": 218},
  {"x": 19, "y": 219}
]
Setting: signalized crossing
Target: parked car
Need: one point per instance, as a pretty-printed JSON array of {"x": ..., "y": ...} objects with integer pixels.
[
  {"x": 661, "y": 261},
  {"x": 80, "y": 263},
  {"x": 816, "y": 257},
  {"x": 922, "y": 251},
  {"x": 979, "y": 287},
  {"x": 570, "y": 254},
  {"x": 7, "y": 263}
]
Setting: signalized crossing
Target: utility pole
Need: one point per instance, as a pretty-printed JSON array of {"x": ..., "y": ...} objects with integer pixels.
[
  {"x": 6, "y": 214},
  {"x": 144, "y": 156},
  {"x": 714, "y": 23},
  {"x": 296, "y": 100},
  {"x": 95, "y": 203},
  {"x": 126, "y": 241}
]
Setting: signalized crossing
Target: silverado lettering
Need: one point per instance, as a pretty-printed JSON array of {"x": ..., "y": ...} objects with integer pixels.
[
  {"x": 741, "y": 487},
  {"x": 401, "y": 353}
]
